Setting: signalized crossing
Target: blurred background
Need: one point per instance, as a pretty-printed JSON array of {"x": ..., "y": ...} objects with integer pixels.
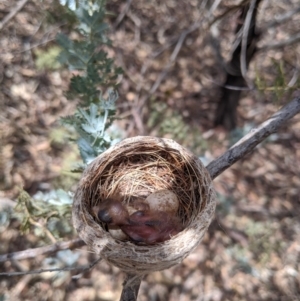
[{"x": 174, "y": 56}]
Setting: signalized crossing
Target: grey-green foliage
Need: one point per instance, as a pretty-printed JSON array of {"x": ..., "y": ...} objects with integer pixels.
[
  {"x": 95, "y": 76},
  {"x": 96, "y": 72},
  {"x": 43, "y": 210},
  {"x": 87, "y": 55},
  {"x": 91, "y": 125}
]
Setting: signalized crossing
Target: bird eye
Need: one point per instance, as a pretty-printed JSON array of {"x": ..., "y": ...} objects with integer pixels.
[
  {"x": 138, "y": 214},
  {"x": 104, "y": 216}
]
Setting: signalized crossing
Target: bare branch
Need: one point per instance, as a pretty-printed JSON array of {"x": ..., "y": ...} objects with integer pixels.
[
  {"x": 251, "y": 140},
  {"x": 131, "y": 288},
  {"x": 15, "y": 10},
  {"x": 81, "y": 269},
  {"x": 32, "y": 253}
]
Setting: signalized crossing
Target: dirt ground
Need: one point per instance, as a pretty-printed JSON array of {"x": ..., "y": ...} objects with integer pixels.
[{"x": 252, "y": 249}]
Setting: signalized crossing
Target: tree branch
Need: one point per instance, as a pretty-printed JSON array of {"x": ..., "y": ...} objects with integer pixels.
[
  {"x": 251, "y": 140},
  {"x": 81, "y": 269},
  {"x": 239, "y": 150},
  {"x": 131, "y": 287},
  {"x": 32, "y": 253}
]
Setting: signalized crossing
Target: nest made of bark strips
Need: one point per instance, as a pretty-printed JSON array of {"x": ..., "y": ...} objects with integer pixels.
[{"x": 135, "y": 168}]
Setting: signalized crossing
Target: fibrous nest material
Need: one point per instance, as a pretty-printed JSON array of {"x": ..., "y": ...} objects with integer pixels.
[{"x": 135, "y": 168}]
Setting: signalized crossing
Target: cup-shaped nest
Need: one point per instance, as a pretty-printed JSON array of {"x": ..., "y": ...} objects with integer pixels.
[{"x": 135, "y": 169}]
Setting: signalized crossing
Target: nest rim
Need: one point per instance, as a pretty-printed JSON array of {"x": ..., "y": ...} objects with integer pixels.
[{"x": 128, "y": 256}]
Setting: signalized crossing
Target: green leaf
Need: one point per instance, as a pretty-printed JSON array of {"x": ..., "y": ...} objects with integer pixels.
[
  {"x": 87, "y": 153},
  {"x": 94, "y": 123},
  {"x": 95, "y": 113},
  {"x": 64, "y": 41}
]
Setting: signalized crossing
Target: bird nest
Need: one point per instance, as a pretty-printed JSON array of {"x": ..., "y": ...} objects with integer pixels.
[{"x": 136, "y": 168}]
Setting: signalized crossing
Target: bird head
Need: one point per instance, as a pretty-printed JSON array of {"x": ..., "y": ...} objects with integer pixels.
[{"x": 111, "y": 212}]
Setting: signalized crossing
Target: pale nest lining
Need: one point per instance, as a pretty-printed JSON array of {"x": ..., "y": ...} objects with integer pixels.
[{"x": 135, "y": 168}]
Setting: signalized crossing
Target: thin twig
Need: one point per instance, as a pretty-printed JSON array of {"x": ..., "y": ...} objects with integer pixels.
[
  {"x": 20, "y": 286},
  {"x": 246, "y": 28},
  {"x": 139, "y": 104},
  {"x": 178, "y": 46},
  {"x": 228, "y": 87},
  {"x": 137, "y": 30},
  {"x": 122, "y": 14},
  {"x": 216, "y": 46},
  {"x": 192, "y": 28},
  {"x": 280, "y": 19},
  {"x": 295, "y": 76},
  {"x": 294, "y": 39},
  {"x": 15, "y": 10},
  {"x": 81, "y": 269},
  {"x": 33, "y": 253},
  {"x": 251, "y": 140},
  {"x": 174, "y": 55},
  {"x": 206, "y": 22},
  {"x": 44, "y": 228},
  {"x": 229, "y": 10}
]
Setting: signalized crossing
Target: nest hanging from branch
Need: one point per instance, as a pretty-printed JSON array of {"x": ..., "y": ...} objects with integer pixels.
[{"x": 134, "y": 169}]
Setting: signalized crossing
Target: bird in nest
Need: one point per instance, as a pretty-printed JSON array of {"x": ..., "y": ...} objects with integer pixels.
[{"x": 142, "y": 226}]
